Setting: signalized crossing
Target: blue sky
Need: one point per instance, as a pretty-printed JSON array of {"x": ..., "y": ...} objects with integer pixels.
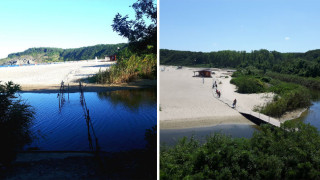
[
  {"x": 59, "y": 23},
  {"x": 213, "y": 25}
]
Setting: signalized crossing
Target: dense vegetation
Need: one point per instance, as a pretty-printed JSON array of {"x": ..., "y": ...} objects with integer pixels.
[
  {"x": 139, "y": 59},
  {"x": 57, "y": 54},
  {"x": 129, "y": 67},
  {"x": 289, "y": 152},
  {"x": 289, "y": 96},
  {"x": 310, "y": 82},
  {"x": 248, "y": 84},
  {"x": 15, "y": 119}
]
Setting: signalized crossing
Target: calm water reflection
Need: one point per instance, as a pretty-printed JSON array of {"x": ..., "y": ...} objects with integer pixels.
[
  {"x": 171, "y": 136},
  {"x": 119, "y": 120},
  {"x": 131, "y": 98},
  {"x": 313, "y": 115}
]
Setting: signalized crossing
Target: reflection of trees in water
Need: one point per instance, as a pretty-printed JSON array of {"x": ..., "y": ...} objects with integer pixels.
[
  {"x": 15, "y": 119},
  {"x": 132, "y": 98}
]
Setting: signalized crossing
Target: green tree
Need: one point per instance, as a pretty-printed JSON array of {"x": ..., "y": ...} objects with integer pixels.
[
  {"x": 288, "y": 152},
  {"x": 142, "y": 36}
]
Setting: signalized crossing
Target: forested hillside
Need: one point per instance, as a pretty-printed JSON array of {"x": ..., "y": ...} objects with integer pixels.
[
  {"x": 302, "y": 64},
  {"x": 44, "y": 54}
]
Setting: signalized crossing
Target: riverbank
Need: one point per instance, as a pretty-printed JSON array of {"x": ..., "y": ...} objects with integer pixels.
[
  {"x": 187, "y": 101},
  {"x": 90, "y": 87}
]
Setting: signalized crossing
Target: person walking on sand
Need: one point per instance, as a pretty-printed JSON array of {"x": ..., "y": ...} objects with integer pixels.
[{"x": 234, "y": 103}]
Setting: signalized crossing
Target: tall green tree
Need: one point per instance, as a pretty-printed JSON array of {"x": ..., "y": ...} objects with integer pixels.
[{"x": 142, "y": 36}]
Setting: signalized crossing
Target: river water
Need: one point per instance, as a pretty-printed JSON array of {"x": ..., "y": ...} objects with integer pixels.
[
  {"x": 119, "y": 120},
  {"x": 313, "y": 115}
]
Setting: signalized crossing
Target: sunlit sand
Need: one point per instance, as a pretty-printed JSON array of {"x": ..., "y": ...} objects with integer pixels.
[{"x": 187, "y": 101}]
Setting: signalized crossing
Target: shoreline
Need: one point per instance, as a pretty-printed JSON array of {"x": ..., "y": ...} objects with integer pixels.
[
  {"x": 293, "y": 115},
  {"x": 203, "y": 122},
  {"x": 89, "y": 87},
  {"x": 214, "y": 121}
]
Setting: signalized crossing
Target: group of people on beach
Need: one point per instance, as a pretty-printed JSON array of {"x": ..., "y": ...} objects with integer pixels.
[
  {"x": 217, "y": 91},
  {"x": 214, "y": 85}
]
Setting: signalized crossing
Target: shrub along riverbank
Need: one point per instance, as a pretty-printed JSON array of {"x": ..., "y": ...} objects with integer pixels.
[
  {"x": 289, "y": 96},
  {"x": 289, "y": 152},
  {"x": 129, "y": 67}
]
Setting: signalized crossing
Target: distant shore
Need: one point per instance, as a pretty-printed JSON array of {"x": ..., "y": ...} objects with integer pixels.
[{"x": 187, "y": 101}]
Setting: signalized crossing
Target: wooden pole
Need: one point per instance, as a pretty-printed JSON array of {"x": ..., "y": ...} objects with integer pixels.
[{"x": 68, "y": 91}]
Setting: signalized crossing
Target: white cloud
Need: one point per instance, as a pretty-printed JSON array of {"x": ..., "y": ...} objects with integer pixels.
[{"x": 287, "y": 38}]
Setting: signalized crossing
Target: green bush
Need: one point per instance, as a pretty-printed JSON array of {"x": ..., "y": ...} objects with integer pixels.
[
  {"x": 289, "y": 96},
  {"x": 128, "y": 69},
  {"x": 289, "y": 100},
  {"x": 248, "y": 84},
  {"x": 266, "y": 79},
  {"x": 289, "y": 152}
]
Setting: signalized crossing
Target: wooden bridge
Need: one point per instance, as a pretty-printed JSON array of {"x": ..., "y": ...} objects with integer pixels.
[{"x": 256, "y": 117}]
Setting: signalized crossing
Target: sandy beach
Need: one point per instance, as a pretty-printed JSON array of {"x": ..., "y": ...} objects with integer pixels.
[
  {"x": 187, "y": 101},
  {"x": 50, "y": 76}
]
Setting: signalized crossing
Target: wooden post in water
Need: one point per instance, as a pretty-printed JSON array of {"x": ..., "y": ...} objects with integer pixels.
[{"x": 68, "y": 91}]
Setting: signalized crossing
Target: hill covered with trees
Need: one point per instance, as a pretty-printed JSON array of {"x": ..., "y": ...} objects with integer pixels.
[
  {"x": 46, "y": 54},
  {"x": 302, "y": 64}
]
